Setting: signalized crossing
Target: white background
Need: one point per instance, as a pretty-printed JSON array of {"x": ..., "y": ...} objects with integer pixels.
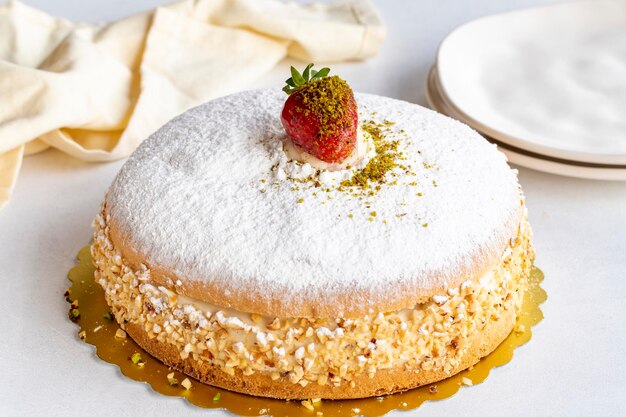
[{"x": 574, "y": 365}]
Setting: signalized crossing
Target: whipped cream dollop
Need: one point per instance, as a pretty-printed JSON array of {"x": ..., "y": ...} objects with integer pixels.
[{"x": 296, "y": 163}]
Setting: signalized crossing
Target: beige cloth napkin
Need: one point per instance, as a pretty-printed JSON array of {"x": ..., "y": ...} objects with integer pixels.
[{"x": 96, "y": 91}]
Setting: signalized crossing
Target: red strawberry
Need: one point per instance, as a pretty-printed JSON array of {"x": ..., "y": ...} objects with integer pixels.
[{"x": 320, "y": 114}]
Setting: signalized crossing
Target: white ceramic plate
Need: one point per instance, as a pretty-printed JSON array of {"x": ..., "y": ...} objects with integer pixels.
[
  {"x": 525, "y": 158},
  {"x": 550, "y": 80}
]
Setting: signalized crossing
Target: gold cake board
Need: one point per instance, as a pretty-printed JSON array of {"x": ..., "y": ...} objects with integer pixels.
[{"x": 100, "y": 332}]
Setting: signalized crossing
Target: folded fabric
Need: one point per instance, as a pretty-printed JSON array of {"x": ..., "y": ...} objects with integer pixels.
[{"x": 96, "y": 91}]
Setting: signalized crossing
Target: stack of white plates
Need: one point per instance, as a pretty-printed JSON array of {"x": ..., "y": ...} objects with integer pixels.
[{"x": 547, "y": 85}]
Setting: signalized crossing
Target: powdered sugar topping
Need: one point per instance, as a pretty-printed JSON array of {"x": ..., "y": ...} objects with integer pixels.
[{"x": 205, "y": 198}]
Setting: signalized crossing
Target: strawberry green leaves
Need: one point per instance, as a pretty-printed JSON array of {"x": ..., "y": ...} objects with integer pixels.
[{"x": 297, "y": 80}]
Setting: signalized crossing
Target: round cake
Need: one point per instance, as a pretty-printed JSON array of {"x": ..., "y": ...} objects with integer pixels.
[{"x": 247, "y": 268}]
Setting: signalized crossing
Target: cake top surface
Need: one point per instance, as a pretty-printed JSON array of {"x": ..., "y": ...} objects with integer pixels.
[{"x": 212, "y": 203}]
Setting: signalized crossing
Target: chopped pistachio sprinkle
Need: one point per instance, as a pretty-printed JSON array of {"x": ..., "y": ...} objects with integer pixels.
[
  {"x": 107, "y": 316},
  {"x": 73, "y": 314},
  {"x": 387, "y": 158},
  {"x": 171, "y": 380},
  {"x": 136, "y": 358},
  {"x": 217, "y": 397}
]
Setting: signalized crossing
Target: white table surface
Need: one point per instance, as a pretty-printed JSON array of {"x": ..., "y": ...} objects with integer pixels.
[{"x": 573, "y": 366}]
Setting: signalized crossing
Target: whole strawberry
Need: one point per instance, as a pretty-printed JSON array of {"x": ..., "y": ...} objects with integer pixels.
[{"x": 320, "y": 114}]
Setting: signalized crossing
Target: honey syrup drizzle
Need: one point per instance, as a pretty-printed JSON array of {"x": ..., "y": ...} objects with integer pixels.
[{"x": 99, "y": 331}]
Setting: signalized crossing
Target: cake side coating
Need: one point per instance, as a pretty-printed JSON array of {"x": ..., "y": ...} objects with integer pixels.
[
  {"x": 201, "y": 204},
  {"x": 386, "y": 381}
]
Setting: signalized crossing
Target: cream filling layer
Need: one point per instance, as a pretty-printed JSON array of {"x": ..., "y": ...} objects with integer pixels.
[{"x": 431, "y": 336}]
